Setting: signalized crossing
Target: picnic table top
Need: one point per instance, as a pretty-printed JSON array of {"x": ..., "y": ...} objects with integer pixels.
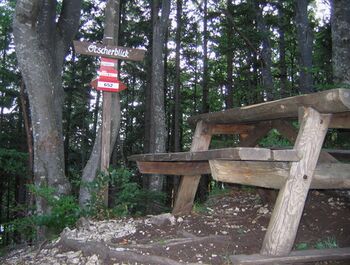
[{"x": 329, "y": 101}]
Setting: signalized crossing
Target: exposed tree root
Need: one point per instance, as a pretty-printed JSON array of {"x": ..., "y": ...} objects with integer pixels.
[{"x": 108, "y": 253}]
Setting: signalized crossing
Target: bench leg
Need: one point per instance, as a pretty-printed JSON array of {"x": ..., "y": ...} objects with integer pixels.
[
  {"x": 285, "y": 219},
  {"x": 189, "y": 184}
]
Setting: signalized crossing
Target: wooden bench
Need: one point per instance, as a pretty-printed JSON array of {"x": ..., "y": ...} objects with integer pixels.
[{"x": 292, "y": 171}]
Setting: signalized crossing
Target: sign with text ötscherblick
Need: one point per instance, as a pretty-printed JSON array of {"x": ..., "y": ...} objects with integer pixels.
[{"x": 102, "y": 50}]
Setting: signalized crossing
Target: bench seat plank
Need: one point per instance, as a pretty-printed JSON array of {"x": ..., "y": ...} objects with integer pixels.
[
  {"x": 294, "y": 257},
  {"x": 274, "y": 174},
  {"x": 330, "y": 101},
  {"x": 237, "y": 153}
]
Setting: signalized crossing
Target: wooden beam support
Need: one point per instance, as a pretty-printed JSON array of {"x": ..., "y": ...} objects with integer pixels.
[
  {"x": 230, "y": 128},
  {"x": 252, "y": 138},
  {"x": 294, "y": 257},
  {"x": 274, "y": 174},
  {"x": 340, "y": 121},
  {"x": 285, "y": 219},
  {"x": 174, "y": 168},
  {"x": 189, "y": 184},
  {"x": 329, "y": 101},
  {"x": 237, "y": 153}
]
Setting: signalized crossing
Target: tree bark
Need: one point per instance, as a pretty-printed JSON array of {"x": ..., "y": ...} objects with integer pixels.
[
  {"x": 205, "y": 88},
  {"x": 282, "y": 50},
  {"x": 340, "y": 23},
  {"x": 157, "y": 123},
  {"x": 229, "y": 59},
  {"x": 265, "y": 53},
  {"x": 305, "y": 39},
  {"x": 42, "y": 41},
  {"x": 177, "y": 85}
]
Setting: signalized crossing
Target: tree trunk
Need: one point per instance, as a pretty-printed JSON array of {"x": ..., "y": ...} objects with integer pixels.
[
  {"x": 177, "y": 85},
  {"x": 41, "y": 46},
  {"x": 157, "y": 124},
  {"x": 205, "y": 87},
  {"x": 265, "y": 53},
  {"x": 204, "y": 181},
  {"x": 229, "y": 59},
  {"x": 305, "y": 39},
  {"x": 340, "y": 22},
  {"x": 282, "y": 50}
]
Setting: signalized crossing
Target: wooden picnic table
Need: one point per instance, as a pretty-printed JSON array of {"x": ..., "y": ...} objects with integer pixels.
[{"x": 293, "y": 171}]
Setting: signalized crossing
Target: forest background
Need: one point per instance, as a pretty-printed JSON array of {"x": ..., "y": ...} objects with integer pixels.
[{"x": 201, "y": 56}]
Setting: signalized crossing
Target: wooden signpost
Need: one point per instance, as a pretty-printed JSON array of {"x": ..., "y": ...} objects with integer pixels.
[{"x": 107, "y": 79}]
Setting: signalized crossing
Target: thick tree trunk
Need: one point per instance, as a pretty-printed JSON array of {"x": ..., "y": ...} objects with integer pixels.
[
  {"x": 41, "y": 45},
  {"x": 340, "y": 22},
  {"x": 305, "y": 39},
  {"x": 157, "y": 124}
]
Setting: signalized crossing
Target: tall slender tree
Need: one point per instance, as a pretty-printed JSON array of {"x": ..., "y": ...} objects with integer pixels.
[
  {"x": 305, "y": 44},
  {"x": 265, "y": 51},
  {"x": 161, "y": 12}
]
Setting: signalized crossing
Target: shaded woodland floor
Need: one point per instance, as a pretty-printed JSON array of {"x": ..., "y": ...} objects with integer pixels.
[{"x": 227, "y": 224}]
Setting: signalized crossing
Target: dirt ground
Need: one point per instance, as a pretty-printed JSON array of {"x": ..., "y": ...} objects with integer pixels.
[{"x": 227, "y": 224}]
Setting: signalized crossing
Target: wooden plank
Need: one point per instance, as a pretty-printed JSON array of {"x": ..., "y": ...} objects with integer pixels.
[
  {"x": 109, "y": 51},
  {"x": 286, "y": 129},
  {"x": 274, "y": 174},
  {"x": 174, "y": 168},
  {"x": 253, "y": 137},
  {"x": 237, "y": 153},
  {"x": 330, "y": 101},
  {"x": 294, "y": 257},
  {"x": 342, "y": 155},
  {"x": 285, "y": 218},
  {"x": 340, "y": 120},
  {"x": 189, "y": 184},
  {"x": 230, "y": 128}
]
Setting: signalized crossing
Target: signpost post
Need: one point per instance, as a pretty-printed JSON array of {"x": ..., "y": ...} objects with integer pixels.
[{"x": 107, "y": 81}]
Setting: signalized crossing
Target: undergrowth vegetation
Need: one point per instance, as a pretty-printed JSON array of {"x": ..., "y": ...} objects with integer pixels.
[{"x": 129, "y": 200}]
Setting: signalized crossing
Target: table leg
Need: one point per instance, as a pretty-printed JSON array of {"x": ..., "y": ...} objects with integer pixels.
[
  {"x": 189, "y": 184},
  {"x": 285, "y": 219}
]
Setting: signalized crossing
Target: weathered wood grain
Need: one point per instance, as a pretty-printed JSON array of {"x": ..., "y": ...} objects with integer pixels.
[
  {"x": 174, "y": 168},
  {"x": 237, "y": 153},
  {"x": 340, "y": 120},
  {"x": 329, "y": 101},
  {"x": 189, "y": 184},
  {"x": 230, "y": 128},
  {"x": 253, "y": 137},
  {"x": 289, "y": 206},
  {"x": 109, "y": 51},
  {"x": 294, "y": 257},
  {"x": 274, "y": 174}
]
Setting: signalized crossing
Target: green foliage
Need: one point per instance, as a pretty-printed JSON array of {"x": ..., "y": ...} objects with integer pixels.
[
  {"x": 64, "y": 212},
  {"x": 302, "y": 246},
  {"x": 274, "y": 138},
  {"x": 12, "y": 161},
  {"x": 130, "y": 198},
  {"x": 329, "y": 242}
]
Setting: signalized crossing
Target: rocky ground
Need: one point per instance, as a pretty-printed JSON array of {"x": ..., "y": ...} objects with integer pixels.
[{"x": 228, "y": 224}]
